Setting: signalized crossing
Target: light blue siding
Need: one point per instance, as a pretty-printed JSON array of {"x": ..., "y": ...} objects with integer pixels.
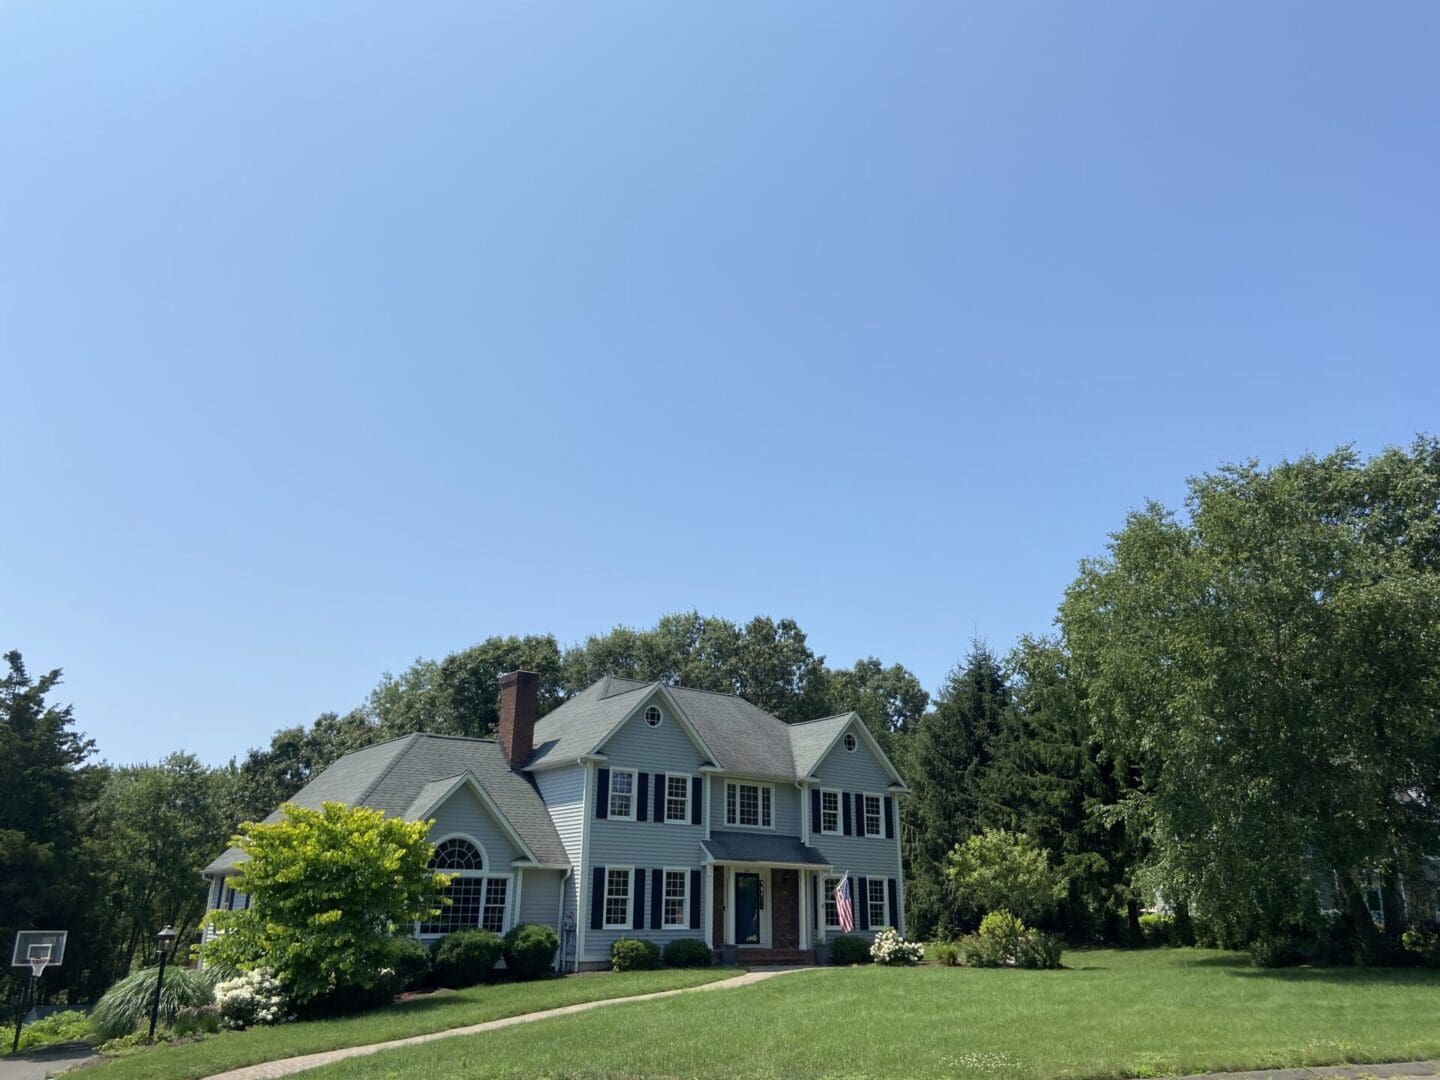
[
  {"x": 540, "y": 897},
  {"x": 645, "y": 844},
  {"x": 563, "y": 790},
  {"x": 786, "y": 805},
  {"x": 465, "y": 814},
  {"x": 867, "y": 856}
]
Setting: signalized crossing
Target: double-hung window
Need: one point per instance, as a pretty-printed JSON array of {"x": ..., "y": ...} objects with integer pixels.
[
  {"x": 622, "y": 794},
  {"x": 876, "y": 899},
  {"x": 617, "y": 898},
  {"x": 677, "y": 900},
  {"x": 832, "y": 916},
  {"x": 829, "y": 811},
  {"x": 677, "y": 799},
  {"x": 749, "y": 805},
  {"x": 874, "y": 825}
]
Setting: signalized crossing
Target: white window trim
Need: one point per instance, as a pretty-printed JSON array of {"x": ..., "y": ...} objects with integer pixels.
[
  {"x": 634, "y": 795},
  {"x": 849, "y": 742},
  {"x": 689, "y": 793},
  {"x": 829, "y": 884},
  {"x": 865, "y": 797},
  {"x": 484, "y": 875},
  {"x": 884, "y": 884},
  {"x": 839, "y": 812},
  {"x": 629, "y": 899},
  {"x": 659, "y": 716},
  {"x": 684, "y": 923},
  {"x": 760, "y": 805}
]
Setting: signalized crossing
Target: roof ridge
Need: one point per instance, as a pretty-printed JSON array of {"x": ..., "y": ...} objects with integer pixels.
[
  {"x": 413, "y": 737},
  {"x": 822, "y": 719}
]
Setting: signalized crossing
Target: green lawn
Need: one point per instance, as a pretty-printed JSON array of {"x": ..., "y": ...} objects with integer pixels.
[
  {"x": 435, "y": 1012},
  {"x": 1111, "y": 1014}
]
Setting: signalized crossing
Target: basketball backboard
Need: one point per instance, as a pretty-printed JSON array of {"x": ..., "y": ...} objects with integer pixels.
[{"x": 33, "y": 946}]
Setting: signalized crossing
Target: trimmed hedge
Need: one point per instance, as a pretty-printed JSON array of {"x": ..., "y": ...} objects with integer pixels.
[
  {"x": 688, "y": 953},
  {"x": 410, "y": 960},
  {"x": 1157, "y": 929},
  {"x": 631, "y": 954},
  {"x": 849, "y": 950},
  {"x": 530, "y": 950},
  {"x": 466, "y": 957}
]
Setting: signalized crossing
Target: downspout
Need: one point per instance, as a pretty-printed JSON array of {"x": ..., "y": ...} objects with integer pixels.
[{"x": 560, "y": 921}]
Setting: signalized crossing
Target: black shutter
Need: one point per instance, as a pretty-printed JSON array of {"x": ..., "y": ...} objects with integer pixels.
[
  {"x": 845, "y": 812},
  {"x": 862, "y": 906},
  {"x": 642, "y": 798},
  {"x": 660, "y": 796},
  {"x": 889, "y": 818},
  {"x": 696, "y": 794},
  {"x": 637, "y": 899},
  {"x": 694, "y": 899},
  {"x": 597, "y": 898},
  {"x": 657, "y": 898},
  {"x": 860, "y": 825},
  {"x": 815, "y": 810},
  {"x": 895, "y": 919},
  {"x": 602, "y": 795}
]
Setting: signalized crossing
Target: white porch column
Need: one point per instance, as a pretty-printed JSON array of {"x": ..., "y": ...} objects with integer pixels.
[{"x": 707, "y": 905}]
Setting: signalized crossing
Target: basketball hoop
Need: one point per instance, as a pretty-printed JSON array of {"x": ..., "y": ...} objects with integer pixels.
[
  {"x": 37, "y": 950},
  {"x": 39, "y": 959}
]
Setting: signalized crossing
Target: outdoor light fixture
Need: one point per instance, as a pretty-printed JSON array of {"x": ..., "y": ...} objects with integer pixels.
[{"x": 165, "y": 939}]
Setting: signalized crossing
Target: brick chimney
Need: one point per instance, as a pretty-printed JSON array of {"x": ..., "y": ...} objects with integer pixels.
[{"x": 518, "y": 691}]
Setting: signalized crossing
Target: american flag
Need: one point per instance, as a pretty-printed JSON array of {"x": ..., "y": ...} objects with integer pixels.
[{"x": 843, "y": 910}]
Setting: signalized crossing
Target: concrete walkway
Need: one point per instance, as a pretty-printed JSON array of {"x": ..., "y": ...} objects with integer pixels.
[
  {"x": 1417, "y": 1070},
  {"x": 289, "y": 1066}
]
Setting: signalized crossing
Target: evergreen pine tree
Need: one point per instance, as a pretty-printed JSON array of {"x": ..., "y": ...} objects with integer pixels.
[{"x": 946, "y": 760}]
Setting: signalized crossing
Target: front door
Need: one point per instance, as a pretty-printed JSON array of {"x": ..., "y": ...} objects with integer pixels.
[{"x": 749, "y": 899}]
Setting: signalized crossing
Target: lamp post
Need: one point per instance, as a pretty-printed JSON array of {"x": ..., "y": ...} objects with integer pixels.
[{"x": 165, "y": 939}]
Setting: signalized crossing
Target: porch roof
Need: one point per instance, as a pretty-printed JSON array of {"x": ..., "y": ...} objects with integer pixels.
[{"x": 745, "y": 847}]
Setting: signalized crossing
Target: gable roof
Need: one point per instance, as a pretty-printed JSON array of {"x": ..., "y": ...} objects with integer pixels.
[
  {"x": 743, "y": 738},
  {"x": 398, "y": 777}
]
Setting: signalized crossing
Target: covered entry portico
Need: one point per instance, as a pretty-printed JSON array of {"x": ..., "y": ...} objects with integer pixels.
[{"x": 759, "y": 885}]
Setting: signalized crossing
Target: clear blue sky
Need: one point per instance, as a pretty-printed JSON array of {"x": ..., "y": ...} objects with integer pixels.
[{"x": 337, "y": 334}]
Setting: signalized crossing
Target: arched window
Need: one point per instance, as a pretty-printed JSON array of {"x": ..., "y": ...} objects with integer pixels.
[
  {"x": 457, "y": 853},
  {"x": 473, "y": 898}
]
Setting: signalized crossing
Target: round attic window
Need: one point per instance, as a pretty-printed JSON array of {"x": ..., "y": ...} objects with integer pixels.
[
  {"x": 849, "y": 741},
  {"x": 652, "y": 716}
]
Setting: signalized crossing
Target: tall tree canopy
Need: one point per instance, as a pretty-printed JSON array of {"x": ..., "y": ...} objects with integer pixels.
[
  {"x": 1272, "y": 663},
  {"x": 45, "y": 777},
  {"x": 944, "y": 762}
]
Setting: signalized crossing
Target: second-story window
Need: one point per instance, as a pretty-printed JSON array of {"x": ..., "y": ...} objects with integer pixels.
[
  {"x": 873, "y": 825},
  {"x": 677, "y": 799},
  {"x": 829, "y": 811},
  {"x": 622, "y": 794},
  {"x": 748, "y": 804}
]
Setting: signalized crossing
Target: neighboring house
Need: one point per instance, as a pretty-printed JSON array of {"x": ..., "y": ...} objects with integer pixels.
[{"x": 641, "y": 810}]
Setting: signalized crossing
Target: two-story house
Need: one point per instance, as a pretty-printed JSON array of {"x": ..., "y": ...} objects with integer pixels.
[{"x": 642, "y": 810}]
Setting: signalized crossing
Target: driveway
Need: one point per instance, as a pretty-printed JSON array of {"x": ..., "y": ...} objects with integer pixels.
[{"x": 38, "y": 1064}]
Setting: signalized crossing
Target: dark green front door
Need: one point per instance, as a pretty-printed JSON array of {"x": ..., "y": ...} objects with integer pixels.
[{"x": 747, "y": 909}]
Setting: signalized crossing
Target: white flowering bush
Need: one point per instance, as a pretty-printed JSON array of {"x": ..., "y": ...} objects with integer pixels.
[
  {"x": 890, "y": 948},
  {"x": 250, "y": 999}
]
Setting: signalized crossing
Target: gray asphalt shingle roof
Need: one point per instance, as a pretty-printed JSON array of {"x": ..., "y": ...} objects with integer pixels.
[
  {"x": 392, "y": 777},
  {"x": 745, "y": 738},
  {"x": 761, "y": 848}
]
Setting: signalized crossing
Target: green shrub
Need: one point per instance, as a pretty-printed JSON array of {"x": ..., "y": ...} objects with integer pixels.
[
  {"x": 1277, "y": 950},
  {"x": 196, "y": 1020},
  {"x": 1425, "y": 944},
  {"x": 410, "y": 960},
  {"x": 530, "y": 950},
  {"x": 466, "y": 957},
  {"x": 133, "y": 1043},
  {"x": 256, "y": 997},
  {"x": 1003, "y": 931},
  {"x": 1038, "y": 950},
  {"x": 631, "y": 954},
  {"x": 61, "y": 1027},
  {"x": 126, "y": 1005},
  {"x": 975, "y": 951},
  {"x": 1157, "y": 929},
  {"x": 845, "y": 950},
  {"x": 688, "y": 953},
  {"x": 946, "y": 953}
]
